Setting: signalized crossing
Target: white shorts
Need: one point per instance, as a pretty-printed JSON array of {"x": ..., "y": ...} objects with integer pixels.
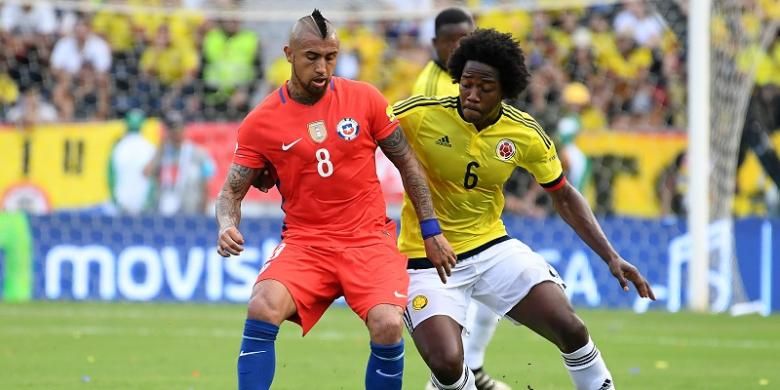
[{"x": 498, "y": 277}]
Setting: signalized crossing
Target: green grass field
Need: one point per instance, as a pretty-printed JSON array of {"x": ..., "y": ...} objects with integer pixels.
[{"x": 62, "y": 345}]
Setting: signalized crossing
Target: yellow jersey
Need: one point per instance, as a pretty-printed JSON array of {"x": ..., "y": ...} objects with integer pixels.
[
  {"x": 434, "y": 80},
  {"x": 467, "y": 168}
]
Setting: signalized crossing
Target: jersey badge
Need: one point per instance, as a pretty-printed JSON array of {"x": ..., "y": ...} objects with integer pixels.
[
  {"x": 348, "y": 129},
  {"x": 419, "y": 302},
  {"x": 505, "y": 149},
  {"x": 317, "y": 131}
]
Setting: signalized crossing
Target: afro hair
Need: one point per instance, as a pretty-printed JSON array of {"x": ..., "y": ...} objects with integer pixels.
[{"x": 498, "y": 50}]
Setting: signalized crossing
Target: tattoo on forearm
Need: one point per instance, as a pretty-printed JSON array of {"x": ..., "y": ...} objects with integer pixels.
[
  {"x": 397, "y": 149},
  {"x": 228, "y": 203},
  {"x": 395, "y": 145},
  {"x": 417, "y": 188}
]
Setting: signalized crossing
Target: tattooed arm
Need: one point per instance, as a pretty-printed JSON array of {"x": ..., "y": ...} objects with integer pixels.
[
  {"x": 397, "y": 149},
  {"x": 228, "y": 208}
]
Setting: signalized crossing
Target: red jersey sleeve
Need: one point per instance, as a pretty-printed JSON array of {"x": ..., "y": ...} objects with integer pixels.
[
  {"x": 248, "y": 153},
  {"x": 380, "y": 113}
]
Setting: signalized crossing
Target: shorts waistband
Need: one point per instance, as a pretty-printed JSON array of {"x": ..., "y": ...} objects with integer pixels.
[{"x": 424, "y": 263}]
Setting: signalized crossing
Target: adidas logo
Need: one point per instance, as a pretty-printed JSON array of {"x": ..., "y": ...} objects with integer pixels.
[
  {"x": 444, "y": 141},
  {"x": 606, "y": 385}
]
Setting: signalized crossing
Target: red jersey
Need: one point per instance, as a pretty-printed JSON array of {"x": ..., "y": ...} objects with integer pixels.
[{"x": 324, "y": 158}]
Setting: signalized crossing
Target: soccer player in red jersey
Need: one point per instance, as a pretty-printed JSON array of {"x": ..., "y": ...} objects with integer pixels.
[{"x": 315, "y": 139}]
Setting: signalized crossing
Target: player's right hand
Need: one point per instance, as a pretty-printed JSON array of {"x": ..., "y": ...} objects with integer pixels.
[
  {"x": 230, "y": 242},
  {"x": 440, "y": 253},
  {"x": 624, "y": 271}
]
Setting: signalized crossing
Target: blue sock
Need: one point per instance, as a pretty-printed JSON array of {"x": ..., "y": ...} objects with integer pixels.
[
  {"x": 257, "y": 359},
  {"x": 385, "y": 369}
]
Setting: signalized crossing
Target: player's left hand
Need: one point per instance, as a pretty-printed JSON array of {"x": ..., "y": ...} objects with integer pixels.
[
  {"x": 264, "y": 180},
  {"x": 624, "y": 271},
  {"x": 440, "y": 253}
]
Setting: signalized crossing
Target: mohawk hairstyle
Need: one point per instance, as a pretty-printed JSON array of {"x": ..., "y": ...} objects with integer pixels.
[{"x": 321, "y": 22}]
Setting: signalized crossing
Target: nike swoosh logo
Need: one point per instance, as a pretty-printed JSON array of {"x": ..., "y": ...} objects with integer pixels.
[
  {"x": 379, "y": 371},
  {"x": 286, "y": 147},
  {"x": 248, "y": 353},
  {"x": 398, "y": 295}
]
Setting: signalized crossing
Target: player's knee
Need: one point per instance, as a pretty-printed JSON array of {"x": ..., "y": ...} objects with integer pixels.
[
  {"x": 266, "y": 308},
  {"x": 385, "y": 326},
  {"x": 447, "y": 367},
  {"x": 574, "y": 335}
]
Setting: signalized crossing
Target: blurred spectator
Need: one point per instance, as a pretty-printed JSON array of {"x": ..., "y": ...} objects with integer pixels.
[
  {"x": 625, "y": 59},
  {"x": 642, "y": 25},
  {"x": 181, "y": 170},
  {"x": 628, "y": 66},
  {"x": 28, "y": 22},
  {"x": 581, "y": 62},
  {"x": 31, "y": 110},
  {"x": 116, "y": 28},
  {"x": 183, "y": 22},
  {"x": 367, "y": 47},
  {"x": 673, "y": 73},
  {"x": 87, "y": 95},
  {"x": 403, "y": 66},
  {"x": 71, "y": 55},
  {"x": 602, "y": 36},
  {"x": 547, "y": 77},
  {"x": 131, "y": 190},
  {"x": 175, "y": 67},
  {"x": 9, "y": 91},
  {"x": 576, "y": 164},
  {"x": 563, "y": 32},
  {"x": 26, "y": 36},
  {"x": 276, "y": 74},
  {"x": 348, "y": 65},
  {"x": 232, "y": 65},
  {"x": 515, "y": 21},
  {"x": 672, "y": 187}
]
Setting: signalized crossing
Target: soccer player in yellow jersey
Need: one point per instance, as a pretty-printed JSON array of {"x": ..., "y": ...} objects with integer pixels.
[
  {"x": 450, "y": 26},
  {"x": 469, "y": 145}
]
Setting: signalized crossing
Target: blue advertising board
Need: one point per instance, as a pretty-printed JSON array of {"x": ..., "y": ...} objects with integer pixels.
[{"x": 89, "y": 257}]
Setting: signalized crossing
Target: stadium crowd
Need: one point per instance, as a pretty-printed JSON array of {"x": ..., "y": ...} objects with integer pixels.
[{"x": 616, "y": 66}]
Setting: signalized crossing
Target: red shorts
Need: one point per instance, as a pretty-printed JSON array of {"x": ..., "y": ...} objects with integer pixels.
[{"x": 316, "y": 276}]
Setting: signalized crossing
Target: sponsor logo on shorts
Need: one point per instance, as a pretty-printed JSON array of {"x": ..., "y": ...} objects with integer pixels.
[{"x": 419, "y": 302}]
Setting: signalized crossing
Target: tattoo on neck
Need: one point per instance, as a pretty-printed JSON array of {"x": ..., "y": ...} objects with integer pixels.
[{"x": 301, "y": 96}]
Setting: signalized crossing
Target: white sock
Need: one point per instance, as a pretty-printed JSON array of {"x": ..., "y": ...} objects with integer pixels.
[
  {"x": 481, "y": 324},
  {"x": 587, "y": 369},
  {"x": 466, "y": 381}
]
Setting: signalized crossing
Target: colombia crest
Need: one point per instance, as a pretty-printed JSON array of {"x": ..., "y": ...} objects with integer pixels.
[
  {"x": 505, "y": 149},
  {"x": 317, "y": 131},
  {"x": 348, "y": 129}
]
